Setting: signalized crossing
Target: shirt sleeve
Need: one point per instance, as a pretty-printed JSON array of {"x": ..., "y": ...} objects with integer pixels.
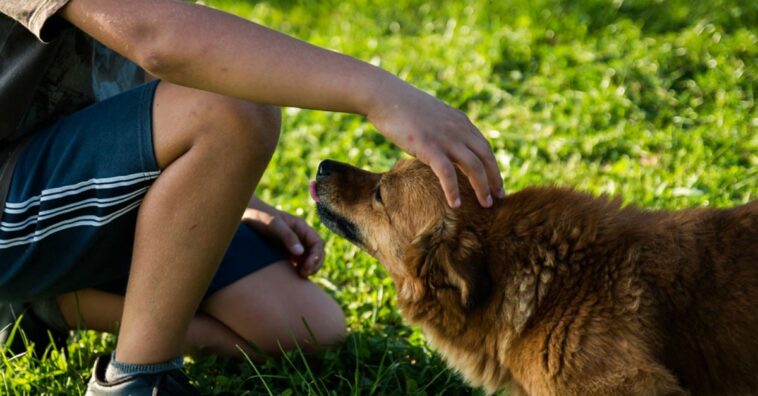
[{"x": 33, "y": 14}]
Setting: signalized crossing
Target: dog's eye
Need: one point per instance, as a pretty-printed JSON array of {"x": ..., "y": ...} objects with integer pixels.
[{"x": 378, "y": 195}]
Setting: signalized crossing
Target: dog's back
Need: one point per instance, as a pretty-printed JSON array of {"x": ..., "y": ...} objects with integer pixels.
[
  {"x": 707, "y": 288},
  {"x": 644, "y": 295}
]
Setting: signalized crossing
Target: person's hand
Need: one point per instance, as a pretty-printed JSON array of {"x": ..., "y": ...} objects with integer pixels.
[
  {"x": 438, "y": 136},
  {"x": 302, "y": 241}
]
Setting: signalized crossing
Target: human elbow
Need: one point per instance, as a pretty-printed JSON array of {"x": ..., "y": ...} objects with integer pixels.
[
  {"x": 158, "y": 60},
  {"x": 158, "y": 49}
]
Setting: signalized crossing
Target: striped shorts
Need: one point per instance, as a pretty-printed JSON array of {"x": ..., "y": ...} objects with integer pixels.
[{"x": 72, "y": 206}]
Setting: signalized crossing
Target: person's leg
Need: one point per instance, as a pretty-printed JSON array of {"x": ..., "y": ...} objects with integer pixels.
[
  {"x": 266, "y": 308},
  {"x": 276, "y": 309},
  {"x": 212, "y": 151},
  {"x": 98, "y": 310}
]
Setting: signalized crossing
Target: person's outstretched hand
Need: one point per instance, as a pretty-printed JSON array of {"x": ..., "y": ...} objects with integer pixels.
[
  {"x": 438, "y": 136},
  {"x": 302, "y": 241}
]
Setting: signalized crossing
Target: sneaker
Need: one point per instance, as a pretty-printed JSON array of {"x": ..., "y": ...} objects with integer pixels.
[{"x": 167, "y": 383}]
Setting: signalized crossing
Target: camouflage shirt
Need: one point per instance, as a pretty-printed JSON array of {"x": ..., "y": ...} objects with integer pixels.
[{"x": 48, "y": 69}]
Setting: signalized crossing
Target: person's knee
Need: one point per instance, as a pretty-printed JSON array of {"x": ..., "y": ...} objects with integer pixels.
[
  {"x": 277, "y": 310},
  {"x": 328, "y": 325},
  {"x": 320, "y": 324},
  {"x": 241, "y": 129},
  {"x": 252, "y": 125},
  {"x": 235, "y": 130}
]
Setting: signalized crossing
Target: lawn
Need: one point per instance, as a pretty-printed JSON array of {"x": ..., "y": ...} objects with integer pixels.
[{"x": 653, "y": 101}]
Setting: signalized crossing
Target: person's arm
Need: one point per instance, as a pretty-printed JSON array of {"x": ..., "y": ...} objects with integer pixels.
[{"x": 203, "y": 48}]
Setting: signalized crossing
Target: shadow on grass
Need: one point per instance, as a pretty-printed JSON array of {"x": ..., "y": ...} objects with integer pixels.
[{"x": 386, "y": 361}]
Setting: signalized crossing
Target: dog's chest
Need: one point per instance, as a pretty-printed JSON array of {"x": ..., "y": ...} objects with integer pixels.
[{"x": 480, "y": 363}]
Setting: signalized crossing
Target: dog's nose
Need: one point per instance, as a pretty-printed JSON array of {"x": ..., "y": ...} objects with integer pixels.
[{"x": 325, "y": 168}]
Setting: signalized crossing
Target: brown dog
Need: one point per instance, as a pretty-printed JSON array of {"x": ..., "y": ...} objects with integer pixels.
[{"x": 556, "y": 292}]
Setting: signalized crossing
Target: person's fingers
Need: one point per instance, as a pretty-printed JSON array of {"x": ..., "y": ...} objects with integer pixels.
[
  {"x": 315, "y": 246},
  {"x": 482, "y": 149},
  {"x": 445, "y": 172},
  {"x": 473, "y": 168},
  {"x": 289, "y": 238},
  {"x": 315, "y": 259}
]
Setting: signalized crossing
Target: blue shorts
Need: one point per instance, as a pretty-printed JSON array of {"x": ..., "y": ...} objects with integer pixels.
[{"x": 72, "y": 206}]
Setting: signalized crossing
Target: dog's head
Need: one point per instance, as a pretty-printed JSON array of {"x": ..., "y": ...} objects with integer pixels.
[{"x": 401, "y": 217}]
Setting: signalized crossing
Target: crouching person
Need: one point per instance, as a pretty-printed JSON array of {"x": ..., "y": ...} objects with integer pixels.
[{"x": 127, "y": 204}]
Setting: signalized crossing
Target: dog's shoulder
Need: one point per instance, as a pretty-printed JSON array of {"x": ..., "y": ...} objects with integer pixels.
[{"x": 559, "y": 215}]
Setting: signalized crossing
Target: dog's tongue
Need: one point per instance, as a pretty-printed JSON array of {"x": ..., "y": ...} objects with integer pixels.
[{"x": 314, "y": 194}]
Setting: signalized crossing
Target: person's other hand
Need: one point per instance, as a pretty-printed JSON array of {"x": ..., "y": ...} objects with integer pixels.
[
  {"x": 438, "y": 136},
  {"x": 302, "y": 241}
]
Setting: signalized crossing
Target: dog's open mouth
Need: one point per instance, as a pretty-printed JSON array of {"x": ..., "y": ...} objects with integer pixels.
[{"x": 335, "y": 222}]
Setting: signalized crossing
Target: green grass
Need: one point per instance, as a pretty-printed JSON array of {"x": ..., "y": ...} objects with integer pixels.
[{"x": 650, "y": 100}]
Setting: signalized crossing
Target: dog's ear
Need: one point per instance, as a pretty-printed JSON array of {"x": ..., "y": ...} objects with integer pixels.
[{"x": 445, "y": 258}]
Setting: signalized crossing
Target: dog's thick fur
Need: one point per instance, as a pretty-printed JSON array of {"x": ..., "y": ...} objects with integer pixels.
[{"x": 557, "y": 292}]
